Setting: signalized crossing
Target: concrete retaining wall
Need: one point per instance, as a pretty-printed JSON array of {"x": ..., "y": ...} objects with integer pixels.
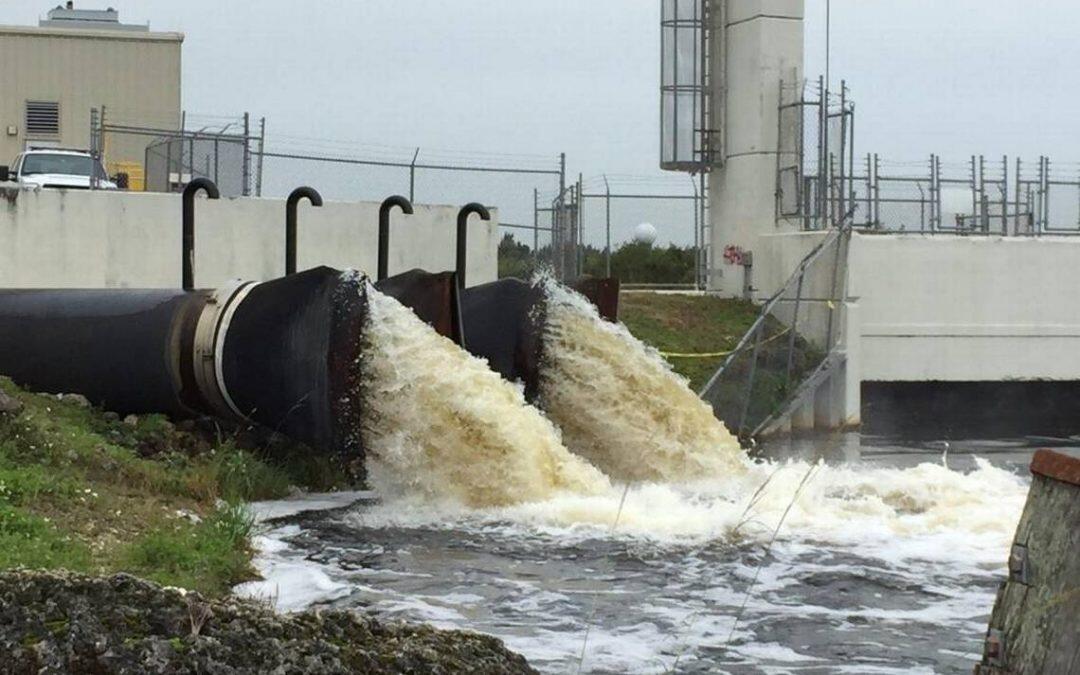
[
  {"x": 72, "y": 238},
  {"x": 1035, "y": 625}
]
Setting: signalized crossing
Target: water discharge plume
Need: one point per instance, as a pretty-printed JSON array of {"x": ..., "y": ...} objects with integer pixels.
[
  {"x": 620, "y": 405},
  {"x": 440, "y": 425}
]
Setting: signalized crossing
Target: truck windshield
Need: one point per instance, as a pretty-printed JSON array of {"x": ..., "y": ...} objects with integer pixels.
[{"x": 70, "y": 165}]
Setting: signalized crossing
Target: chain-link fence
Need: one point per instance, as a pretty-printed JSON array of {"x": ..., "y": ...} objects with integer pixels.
[
  {"x": 792, "y": 342},
  {"x": 815, "y": 154},
  {"x": 818, "y": 180},
  {"x": 163, "y": 155},
  {"x": 351, "y": 171},
  {"x": 608, "y": 209}
]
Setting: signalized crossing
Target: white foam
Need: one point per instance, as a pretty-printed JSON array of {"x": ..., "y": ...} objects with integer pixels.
[{"x": 619, "y": 404}]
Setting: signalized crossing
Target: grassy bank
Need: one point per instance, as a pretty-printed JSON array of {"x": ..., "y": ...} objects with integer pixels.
[
  {"x": 86, "y": 491},
  {"x": 688, "y": 324}
]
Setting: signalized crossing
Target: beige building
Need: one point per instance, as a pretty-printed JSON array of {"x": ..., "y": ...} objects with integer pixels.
[{"x": 53, "y": 75}]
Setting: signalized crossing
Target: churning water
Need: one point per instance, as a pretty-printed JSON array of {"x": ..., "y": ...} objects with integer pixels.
[
  {"x": 442, "y": 426},
  {"x": 481, "y": 518}
]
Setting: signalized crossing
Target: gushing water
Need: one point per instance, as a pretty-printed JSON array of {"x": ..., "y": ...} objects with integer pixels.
[
  {"x": 441, "y": 425},
  {"x": 620, "y": 405},
  {"x": 509, "y": 533}
]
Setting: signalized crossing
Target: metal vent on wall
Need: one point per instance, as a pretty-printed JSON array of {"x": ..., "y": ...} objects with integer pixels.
[{"x": 42, "y": 118}]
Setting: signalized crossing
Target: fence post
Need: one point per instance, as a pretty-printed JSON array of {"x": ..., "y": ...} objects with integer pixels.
[
  {"x": 697, "y": 236},
  {"x": 607, "y": 227},
  {"x": 412, "y": 175},
  {"x": 536, "y": 226},
  {"x": 246, "y": 175},
  {"x": 259, "y": 166}
]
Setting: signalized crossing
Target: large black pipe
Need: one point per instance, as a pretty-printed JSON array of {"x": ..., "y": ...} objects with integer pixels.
[
  {"x": 127, "y": 350},
  {"x": 188, "y": 208},
  {"x": 291, "y": 204},
  {"x": 504, "y": 325},
  {"x": 463, "y": 233},
  {"x": 284, "y": 354},
  {"x": 384, "y": 230}
]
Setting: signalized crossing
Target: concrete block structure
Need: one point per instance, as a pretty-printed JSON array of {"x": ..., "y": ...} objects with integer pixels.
[
  {"x": 932, "y": 324},
  {"x": 109, "y": 239}
]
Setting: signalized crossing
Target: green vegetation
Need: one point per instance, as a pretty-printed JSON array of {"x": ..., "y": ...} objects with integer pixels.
[
  {"x": 631, "y": 263},
  {"x": 84, "y": 491},
  {"x": 682, "y": 326},
  {"x": 688, "y": 324}
]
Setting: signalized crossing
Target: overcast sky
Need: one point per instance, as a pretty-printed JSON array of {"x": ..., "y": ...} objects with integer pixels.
[{"x": 581, "y": 76}]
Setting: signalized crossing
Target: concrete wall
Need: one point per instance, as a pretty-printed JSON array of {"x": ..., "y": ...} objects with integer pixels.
[
  {"x": 76, "y": 238},
  {"x": 760, "y": 45},
  {"x": 135, "y": 75},
  {"x": 967, "y": 308}
]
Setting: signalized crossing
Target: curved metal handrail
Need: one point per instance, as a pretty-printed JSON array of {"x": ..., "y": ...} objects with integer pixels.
[
  {"x": 291, "y": 204},
  {"x": 188, "y": 237},
  {"x": 384, "y": 230},
  {"x": 462, "y": 235}
]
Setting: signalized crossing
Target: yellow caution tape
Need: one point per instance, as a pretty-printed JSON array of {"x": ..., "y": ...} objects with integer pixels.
[
  {"x": 716, "y": 355},
  {"x": 713, "y": 355}
]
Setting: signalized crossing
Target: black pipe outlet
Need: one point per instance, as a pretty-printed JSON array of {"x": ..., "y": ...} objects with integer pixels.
[
  {"x": 313, "y": 196},
  {"x": 384, "y": 230},
  {"x": 434, "y": 298},
  {"x": 505, "y": 321},
  {"x": 290, "y": 359},
  {"x": 462, "y": 235},
  {"x": 188, "y": 244}
]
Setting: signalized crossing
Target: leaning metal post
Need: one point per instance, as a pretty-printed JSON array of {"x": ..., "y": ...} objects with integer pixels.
[
  {"x": 794, "y": 324},
  {"x": 750, "y": 380}
]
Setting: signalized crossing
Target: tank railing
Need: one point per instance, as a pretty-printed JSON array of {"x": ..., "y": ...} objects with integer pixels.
[
  {"x": 291, "y": 205},
  {"x": 384, "y": 230},
  {"x": 188, "y": 237},
  {"x": 792, "y": 338},
  {"x": 462, "y": 235}
]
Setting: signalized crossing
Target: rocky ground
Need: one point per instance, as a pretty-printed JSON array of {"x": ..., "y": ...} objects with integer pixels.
[{"x": 58, "y": 622}]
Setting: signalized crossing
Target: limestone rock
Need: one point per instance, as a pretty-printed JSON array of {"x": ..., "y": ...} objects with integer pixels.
[{"x": 62, "y": 622}]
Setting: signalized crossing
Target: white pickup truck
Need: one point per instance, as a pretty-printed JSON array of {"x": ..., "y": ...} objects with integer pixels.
[{"x": 58, "y": 168}]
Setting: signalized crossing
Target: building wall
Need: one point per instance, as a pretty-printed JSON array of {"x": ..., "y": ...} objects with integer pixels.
[
  {"x": 967, "y": 308},
  {"x": 762, "y": 45},
  {"x": 92, "y": 239},
  {"x": 136, "y": 76},
  {"x": 949, "y": 308}
]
